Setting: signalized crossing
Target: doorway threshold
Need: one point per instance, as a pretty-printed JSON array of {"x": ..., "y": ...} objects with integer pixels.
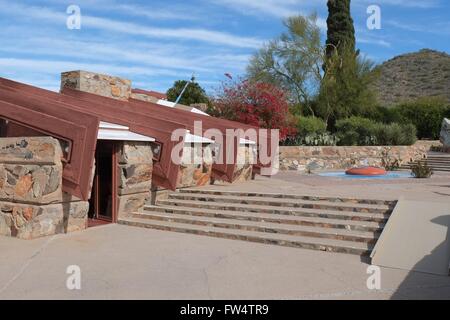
[{"x": 97, "y": 222}]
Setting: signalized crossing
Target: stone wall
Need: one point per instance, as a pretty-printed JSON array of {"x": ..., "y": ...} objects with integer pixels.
[
  {"x": 196, "y": 165},
  {"x": 134, "y": 176},
  {"x": 32, "y": 203},
  {"x": 103, "y": 85},
  {"x": 301, "y": 158},
  {"x": 245, "y": 160}
]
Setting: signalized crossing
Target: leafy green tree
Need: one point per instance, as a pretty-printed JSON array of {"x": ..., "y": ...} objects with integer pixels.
[
  {"x": 194, "y": 93},
  {"x": 292, "y": 62},
  {"x": 345, "y": 89}
]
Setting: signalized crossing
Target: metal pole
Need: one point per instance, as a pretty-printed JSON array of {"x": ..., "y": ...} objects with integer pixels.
[{"x": 184, "y": 89}]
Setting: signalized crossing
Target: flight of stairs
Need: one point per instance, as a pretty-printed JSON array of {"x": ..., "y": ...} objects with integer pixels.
[
  {"x": 438, "y": 161},
  {"x": 320, "y": 223}
]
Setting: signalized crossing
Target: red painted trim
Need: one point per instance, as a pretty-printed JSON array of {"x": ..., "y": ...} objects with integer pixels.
[{"x": 80, "y": 128}]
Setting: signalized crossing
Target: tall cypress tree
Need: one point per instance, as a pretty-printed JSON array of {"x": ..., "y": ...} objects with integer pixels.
[{"x": 341, "y": 32}]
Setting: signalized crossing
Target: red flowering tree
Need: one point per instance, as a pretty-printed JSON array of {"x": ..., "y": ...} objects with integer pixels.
[{"x": 255, "y": 103}]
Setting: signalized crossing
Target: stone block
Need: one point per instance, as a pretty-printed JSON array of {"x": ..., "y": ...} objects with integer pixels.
[
  {"x": 135, "y": 152},
  {"x": 100, "y": 84},
  {"x": 31, "y": 183},
  {"x": 135, "y": 178},
  {"x": 26, "y": 221},
  {"x": 132, "y": 203},
  {"x": 30, "y": 150}
]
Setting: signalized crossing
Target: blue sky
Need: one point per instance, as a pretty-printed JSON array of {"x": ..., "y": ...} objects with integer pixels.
[{"x": 156, "y": 42}]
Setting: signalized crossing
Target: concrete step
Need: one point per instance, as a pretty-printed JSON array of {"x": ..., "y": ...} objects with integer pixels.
[
  {"x": 272, "y": 218},
  {"x": 434, "y": 168},
  {"x": 288, "y": 196},
  {"x": 444, "y": 156},
  {"x": 265, "y": 227},
  {"x": 277, "y": 202},
  {"x": 323, "y": 244},
  {"x": 433, "y": 162},
  {"x": 279, "y": 211}
]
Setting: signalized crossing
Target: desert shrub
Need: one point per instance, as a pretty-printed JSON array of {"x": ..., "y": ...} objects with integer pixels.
[
  {"x": 395, "y": 134},
  {"x": 315, "y": 139},
  {"x": 366, "y": 132},
  {"x": 310, "y": 126},
  {"x": 356, "y": 131},
  {"x": 385, "y": 115},
  {"x": 421, "y": 170},
  {"x": 389, "y": 162},
  {"x": 426, "y": 114}
]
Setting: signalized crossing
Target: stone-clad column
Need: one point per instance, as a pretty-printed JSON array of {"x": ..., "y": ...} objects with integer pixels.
[
  {"x": 32, "y": 203},
  {"x": 134, "y": 176}
]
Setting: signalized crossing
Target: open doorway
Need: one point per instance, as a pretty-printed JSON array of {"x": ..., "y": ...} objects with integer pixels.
[{"x": 103, "y": 202}]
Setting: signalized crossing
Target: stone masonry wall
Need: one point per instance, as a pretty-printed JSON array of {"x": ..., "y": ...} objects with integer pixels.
[
  {"x": 245, "y": 161},
  {"x": 301, "y": 158},
  {"x": 103, "y": 85},
  {"x": 134, "y": 176},
  {"x": 32, "y": 203},
  {"x": 196, "y": 165}
]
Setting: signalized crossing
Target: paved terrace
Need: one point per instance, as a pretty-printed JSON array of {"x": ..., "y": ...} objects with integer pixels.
[
  {"x": 133, "y": 263},
  {"x": 293, "y": 182}
]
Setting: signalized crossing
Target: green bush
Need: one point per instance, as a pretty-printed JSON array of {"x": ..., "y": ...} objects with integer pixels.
[
  {"x": 426, "y": 114},
  {"x": 355, "y": 131},
  {"x": 310, "y": 126},
  {"x": 385, "y": 115},
  {"x": 395, "y": 134},
  {"x": 365, "y": 132}
]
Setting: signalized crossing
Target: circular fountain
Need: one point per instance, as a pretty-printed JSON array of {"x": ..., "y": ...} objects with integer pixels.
[{"x": 366, "y": 171}]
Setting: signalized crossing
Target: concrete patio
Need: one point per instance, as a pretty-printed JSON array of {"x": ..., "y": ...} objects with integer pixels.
[{"x": 121, "y": 262}]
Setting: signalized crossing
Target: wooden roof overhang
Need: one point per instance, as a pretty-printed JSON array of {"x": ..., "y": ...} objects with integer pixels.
[
  {"x": 185, "y": 120},
  {"x": 165, "y": 172},
  {"x": 60, "y": 121},
  {"x": 188, "y": 118}
]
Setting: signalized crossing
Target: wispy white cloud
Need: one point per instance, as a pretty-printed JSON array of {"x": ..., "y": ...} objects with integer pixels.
[
  {"x": 156, "y": 55},
  {"x": 155, "y": 13},
  {"x": 56, "y": 66},
  {"x": 110, "y": 25},
  {"x": 276, "y": 8},
  {"x": 423, "y": 4},
  {"x": 437, "y": 28}
]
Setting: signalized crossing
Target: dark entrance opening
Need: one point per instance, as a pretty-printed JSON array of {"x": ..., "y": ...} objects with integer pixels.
[
  {"x": 103, "y": 202},
  {"x": 3, "y": 126}
]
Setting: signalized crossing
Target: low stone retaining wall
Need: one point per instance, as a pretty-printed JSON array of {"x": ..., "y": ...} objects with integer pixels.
[
  {"x": 32, "y": 203},
  {"x": 301, "y": 158}
]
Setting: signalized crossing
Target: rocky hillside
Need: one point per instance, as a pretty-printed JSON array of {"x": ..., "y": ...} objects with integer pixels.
[{"x": 413, "y": 75}]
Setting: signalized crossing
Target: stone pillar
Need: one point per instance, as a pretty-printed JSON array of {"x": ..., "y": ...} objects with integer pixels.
[
  {"x": 32, "y": 203},
  {"x": 245, "y": 160},
  {"x": 196, "y": 165},
  {"x": 134, "y": 176},
  {"x": 103, "y": 85}
]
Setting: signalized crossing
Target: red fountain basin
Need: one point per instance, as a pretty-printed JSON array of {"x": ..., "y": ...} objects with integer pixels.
[{"x": 366, "y": 171}]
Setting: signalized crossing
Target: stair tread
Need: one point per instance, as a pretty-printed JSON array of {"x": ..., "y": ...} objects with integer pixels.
[
  {"x": 271, "y": 225},
  {"x": 267, "y": 216},
  {"x": 261, "y": 235},
  {"x": 279, "y": 200},
  {"x": 278, "y": 208},
  {"x": 284, "y": 196}
]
